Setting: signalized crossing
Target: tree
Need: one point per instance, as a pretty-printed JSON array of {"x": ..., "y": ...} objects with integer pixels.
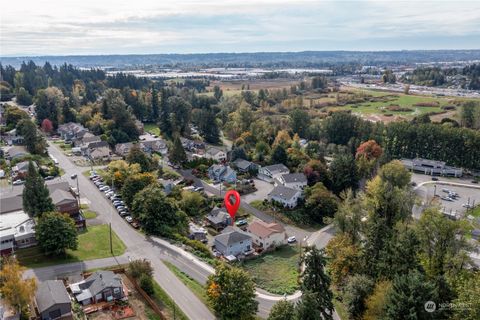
[
  {"x": 319, "y": 202},
  {"x": 36, "y": 197},
  {"x": 136, "y": 155},
  {"x": 232, "y": 283},
  {"x": 356, "y": 291},
  {"x": 343, "y": 257},
  {"x": 375, "y": 303},
  {"x": 23, "y": 97},
  {"x": 468, "y": 298},
  {"x": 207, "y": 125},
  {"x": 33, "y": 141},
  {"x": 307, "y": 308},
  {"x": 192, "y": 203},
  {"x": 370, "y": 150},
  {"x": 177, "y": 152},
  {"x": 469, "y": 115},
  {"x": 48, "y": 103},
  {"x": 344, "y": 173},
  {"x": 282, "y": 310},
  {"x": 146, "y": 283},
  {"x": 238, "y": 153},
  {"x": 138, "y": 267},
  {"x": 181, "y": 110},
  {"x": 279, "y": 155},
  {"x": 56, "y": 232},
  {"x": 134, "y": 184},
  {"x": 47, "y": 126},
  {"x": 217, "y": 93},
  {"x": 407, "y": 297},
  {"x": 16, "y": 291},
  {"x": 348, "y": 218},
  {"x": 299, "y": 121},
  {"x": 158, "y": 214},
  {"x": 155, "y": 105},
  {"x": 389, "y": 77},
  {"x": 119, "y": 170},
  {"x": 316, "y": 282},
  {"x": 283, "y": 139},
  {"x": 317, "y": 171}
]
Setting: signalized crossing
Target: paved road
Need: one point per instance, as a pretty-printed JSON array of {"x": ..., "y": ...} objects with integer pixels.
[{"x": 138, "y": 245}]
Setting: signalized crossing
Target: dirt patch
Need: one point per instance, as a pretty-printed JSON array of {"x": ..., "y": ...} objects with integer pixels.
[{"x": 382, "y": 118}]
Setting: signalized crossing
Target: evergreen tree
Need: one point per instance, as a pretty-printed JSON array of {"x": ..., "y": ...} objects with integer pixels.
[
  {"x": 317, "y": 283},
  {"x": 155, "y": 105},
  {"x": 177, "y": 152},
  {"x": 279, "y": 155},
  {"x": 36, "y": 197},
  {"x": 136, "y": 155}
]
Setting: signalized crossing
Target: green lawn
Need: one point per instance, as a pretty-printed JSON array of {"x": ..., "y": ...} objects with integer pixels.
[
  {"x": 194, "y": 286},
  {"x": 152, "y": 128},
  {"x": 94, "y": 243},
  {"x": 476, "y": 211},
  {"x": 89, "y": 214},
  {"x": 276, "y": 272}
]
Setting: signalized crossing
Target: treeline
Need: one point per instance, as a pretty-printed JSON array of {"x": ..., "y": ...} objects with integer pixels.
[
  {"x": 435, "y": 76},
  {"x": 456, "y": 146}
]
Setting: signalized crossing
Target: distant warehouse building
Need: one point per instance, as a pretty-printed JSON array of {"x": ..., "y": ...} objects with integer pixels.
[{"x": 431, "y": 167}]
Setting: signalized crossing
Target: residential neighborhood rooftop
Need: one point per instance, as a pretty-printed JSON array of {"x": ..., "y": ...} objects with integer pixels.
[
  {"x": 50, "y": 293},
  {"x": 282, "y": 192}
]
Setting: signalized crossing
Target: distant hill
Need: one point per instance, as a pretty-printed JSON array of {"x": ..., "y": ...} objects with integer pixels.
[{"x": 256, "y": 59}]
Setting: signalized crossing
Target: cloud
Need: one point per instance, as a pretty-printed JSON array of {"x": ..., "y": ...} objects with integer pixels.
[{"x": 143, "y": 26}]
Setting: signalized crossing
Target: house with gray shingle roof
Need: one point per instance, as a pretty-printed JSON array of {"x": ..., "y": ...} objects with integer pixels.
[
  {"x": 243, "y": 165},
  {"x": 288, "y": 197},
  {"x": 232, "y": 242},
  {"x": 292, "y": 180},
  {"x": 218, "y": 218},
  {"x": 100, "y": 286},
  {"x": 52, "y": 300},
  {"x": 269, "y": 173}
]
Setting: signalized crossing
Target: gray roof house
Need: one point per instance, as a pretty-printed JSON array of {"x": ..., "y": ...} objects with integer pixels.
[
  {"x": 98, "y": 150},
  {"x": 215, "y": 154},
  {"x": 269, "y": 173},
  {"x": 288, "y": 197},
  {"x": 16, "y": 152},
  {"x": 122, "y": 149},
  {"x": 218, "y": 172},
  {"x": 52, "y": 300},
  {"x": 71, "y": 130},
  {"x": 22, "y": 167},
  {"x": 86, "y": 139},
  {"x": 156, "y": 145},
  {"x": 218, "y": 218},
  {"x": 233, "y": 242},
  {"x": 243, "y": 165},
  {"x": 292, "y": 180},
  {"x": 100, "y": 286}
]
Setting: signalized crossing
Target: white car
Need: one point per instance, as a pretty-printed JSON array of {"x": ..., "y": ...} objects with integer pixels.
[
  {"x": 129, "y": 219},
  {"x": 105, "y": 188},
  {"x": 292, "y": 239}
]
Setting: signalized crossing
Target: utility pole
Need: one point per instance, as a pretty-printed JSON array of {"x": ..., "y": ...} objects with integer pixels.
[{"x": 111, "y": 217}]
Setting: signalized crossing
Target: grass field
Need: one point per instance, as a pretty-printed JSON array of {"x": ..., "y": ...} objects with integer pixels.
[
  {"x": 476, "y": 211},
  {"x": 152, "y": 128},
  {"x": 276, "y": 272},
  {"x": 89, "y": 214},
  {"x": 197, "y": 288},
  {"x": 94, "y": 243}
]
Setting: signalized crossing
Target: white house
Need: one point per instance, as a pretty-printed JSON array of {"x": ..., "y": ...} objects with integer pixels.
[
  {"x": 269, "y": 173},
  {"x": 286, "y": 196},
  {"x": 292, "y": 180},
  {"x": 267, "y": 235},
  {"x": 215, "y": 154}
]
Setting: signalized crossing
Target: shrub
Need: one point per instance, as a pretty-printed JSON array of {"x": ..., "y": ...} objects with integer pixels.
[
  {"x": 146, "y": 283},
  {"x": 137, "y": 268}
]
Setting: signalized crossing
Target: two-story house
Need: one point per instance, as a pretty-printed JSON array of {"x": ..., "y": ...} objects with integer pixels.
[
  {"x": 267, "y": 235},
  {"x": 269, "y": 173},
  {"x": 215, "y": 154},
  {"x": 288, "y": 197},
  {"x": 292, "y": 180},
  {"x": 222, "y": 173},
  {"x": 232, "y": 242},
  {"x": 243, "y": 165}
]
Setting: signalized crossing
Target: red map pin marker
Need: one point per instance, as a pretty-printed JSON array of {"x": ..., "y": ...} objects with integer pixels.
[{"x": 232, "y": 207}]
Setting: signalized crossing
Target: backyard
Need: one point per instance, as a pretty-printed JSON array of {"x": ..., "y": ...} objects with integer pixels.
[
  {"x": 151, "y": 128},
  {"x": 276, "y": 272},
  {"x": 94, "y": 243}
]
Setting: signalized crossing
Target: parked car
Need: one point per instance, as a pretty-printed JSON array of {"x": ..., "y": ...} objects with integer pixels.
[
  {"x": 434, "y": 179},
  {"x": 118, "y": 204},
  {"x": 116, "y": 198},
  {"x": 198, "y": 189},
  {"x": 135, "y": 224},
  {"x": 123, "y": 213},
  {"x": 73, "y": 176},
  {"x": 18, "y": 182},
  {"x": 475, "y": 181},
  {"x": 120, "y": 208},
  {"x": 104, "y": 188},
  {"x": 292, "y": 239},
  {"x": 241, "y": 222},
  {"x": 94, "y": 176},
  {"x": 49, "y": 178},
  {"x": 109, "y": 193},
  {"x": 129, "y": 219}
]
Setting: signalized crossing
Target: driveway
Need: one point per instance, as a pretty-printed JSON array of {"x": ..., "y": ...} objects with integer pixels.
[{"x": 263, "y": 189}]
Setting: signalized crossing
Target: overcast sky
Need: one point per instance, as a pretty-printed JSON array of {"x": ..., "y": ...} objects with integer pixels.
[{"x": 66, "y": 27}]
